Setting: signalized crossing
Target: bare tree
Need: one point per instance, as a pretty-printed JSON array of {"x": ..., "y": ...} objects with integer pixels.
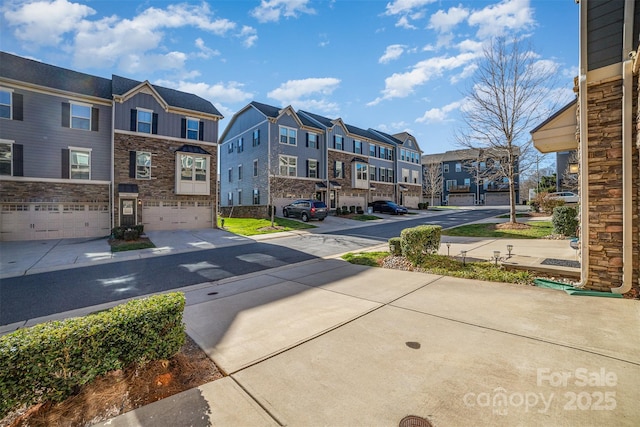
[
  {"x": 432, "y": 178},
  {"x": 508, "y": 96}
]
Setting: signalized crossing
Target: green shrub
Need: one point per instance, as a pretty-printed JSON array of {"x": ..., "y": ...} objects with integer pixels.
[
  {"x": 420, "y": 241},
  {"x": 49, "y": 361},
  {"x": 565, "y": 220},
  {"x": 395, "y": 246},
  {"x": 545, "y": 203},
  {"x": 423, "y": 205},
  {"x": 127, "y": 232}
]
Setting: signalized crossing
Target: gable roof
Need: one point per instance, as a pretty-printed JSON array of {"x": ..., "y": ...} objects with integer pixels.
[
  {"x": 38, "y": 73},
  {"x": 267, "y": 110},
  {"x": 174, "y": 98},
  {"x": 324, "y": 121},
  {"x": 386, "y": 137}
]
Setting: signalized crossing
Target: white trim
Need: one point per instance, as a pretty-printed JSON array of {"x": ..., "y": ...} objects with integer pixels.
[
  {"x": 82, "y": 104},
  {"x": 7, "y": 141},
  {"x": 8, "y": 89},
  {"x": 145, "y": 110},
  {"x": 55, "y": 92},
  {"x": 53, "y": 180},
  {"x": 70, "y": 147},
  {"x": 166, "y": 138}
]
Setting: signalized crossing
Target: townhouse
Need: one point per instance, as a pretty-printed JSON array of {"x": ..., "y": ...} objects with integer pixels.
[
  {"x": 602, "y": 125},
  {"x": 80, "y": 154},
  {"x": 271, "y": 156},
  {"x": 468, "y": 177}
]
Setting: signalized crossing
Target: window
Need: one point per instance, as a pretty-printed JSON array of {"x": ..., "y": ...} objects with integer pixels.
[
  {"x": 193, "y": 129},
  {"x": 405, "y": 175},
  {"x": 402, "y": 154},
  {"x": 256, "y": 137},
  {"x": 230, "y": 175},
  {"x": 240, "y": 145},
  {"x": 256, "y": 196},
  {"x": 288, "y": 135},
  {"x": 239, "y": 172},
  {"x": 372, "y": 173},
  {"x": 383, "y": 174},
  {"x": 143, "y": 165},
  {"x": 357, "y": 146},
  {"x": 338, "y": 142},
  {"x": 414, "y": 176},
  {"x": 239, "y": 197},
  {"x": 389, "y": 154},
  {"x": 312, "y": 140},
  {"x": 372, "y": 150},
  {"x": 361, "y": 176},
  {"x": 451, "y": 183},
  {"x": 389, "y": 175},
  {"x": 192, "y": 173},
  {"x": 339, "y": 170},
  {"x": 5, "y": 104},
  {"x": 255, "y": 168},
  {"x": 458, "y": 167},
  {"x": 312, "y": 168},
  {"x": 230, "y": 148},
  {"x": 80, "y": 116},
  {"x": 288, "y": 165},
  {"x": 6, "y": 159},
  {"x": 230, "y": 199},
  {"x": 383, "y": 153},
  {"x": 80, "y": 164},
  {"x": 145, "y": 120},
  {"x": 445, "y": 168}
]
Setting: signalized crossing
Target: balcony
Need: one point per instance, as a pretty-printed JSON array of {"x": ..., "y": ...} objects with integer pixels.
[
  {"x": 498, "y": 187},
  {"x": 459, "y": 189}
]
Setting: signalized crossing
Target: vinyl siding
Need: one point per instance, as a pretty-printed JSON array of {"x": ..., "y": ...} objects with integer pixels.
[
  {"x": 604, "y": 36},
  {"x": 43, "y": 137}
]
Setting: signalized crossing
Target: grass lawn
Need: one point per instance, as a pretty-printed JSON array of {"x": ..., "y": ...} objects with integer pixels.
[
  {"x": 447, "y": 266},
  {"x": 254, "y": 226},
  {"x": 536, "y": 230},
  {"x": 364, "y": 217}
]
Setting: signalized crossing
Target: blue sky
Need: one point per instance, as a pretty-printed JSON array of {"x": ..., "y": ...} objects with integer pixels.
[{"x": 394, "y": 65}]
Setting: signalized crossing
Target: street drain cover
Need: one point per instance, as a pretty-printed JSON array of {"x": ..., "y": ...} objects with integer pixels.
[{"x": 414, "y": 421}]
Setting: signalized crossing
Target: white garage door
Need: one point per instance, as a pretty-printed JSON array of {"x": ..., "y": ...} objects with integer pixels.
[
  {"x": 36, "y": 221},
  {"x": 496, "y": 199},
  {"x": 173, "y": 215},
  {"x": 461, "y": 199}
]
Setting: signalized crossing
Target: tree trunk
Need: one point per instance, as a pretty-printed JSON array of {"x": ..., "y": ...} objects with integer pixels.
[{"x": 512, "y": 202}]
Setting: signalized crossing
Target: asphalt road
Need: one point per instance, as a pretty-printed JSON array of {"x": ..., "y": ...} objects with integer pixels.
[{"x": 32, "y": 296}]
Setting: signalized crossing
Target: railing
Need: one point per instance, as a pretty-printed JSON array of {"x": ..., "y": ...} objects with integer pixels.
[
  {"x": 459, "y": 189},
  {"x": 498, "y": 187}
]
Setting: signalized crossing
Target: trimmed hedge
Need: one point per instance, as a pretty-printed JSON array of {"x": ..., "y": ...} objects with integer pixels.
[
  {"x": 420, "y": 241},
  {"x": 565, "y": 220},
  {"x": 395, "y": 246},
  {"x": 50, "y": 361},
  {"x": 127, "y": 233}
]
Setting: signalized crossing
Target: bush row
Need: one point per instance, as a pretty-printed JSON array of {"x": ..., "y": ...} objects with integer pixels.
[
  {"x": 127, "y": 232},
  {"x": 50, "y": 361},
  {"x": 416, "y": 243}
]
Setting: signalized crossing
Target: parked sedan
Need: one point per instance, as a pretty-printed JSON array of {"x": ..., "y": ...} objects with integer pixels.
[
  {"x": 567, "y": 196},
  {"x": 387, "y": 206},
  {"x": 306, "y": 209}
]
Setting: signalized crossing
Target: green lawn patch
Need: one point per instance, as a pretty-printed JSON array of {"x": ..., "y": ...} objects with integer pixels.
[
  {"x": 518, "y": 215},
  {"x": 536, "y": 230},
  {"x": 130, "y": 245},
  {"x": 364, "y": 217},
  {"x": 448, "y": 266},
  {"x": 254, "y": 226}
]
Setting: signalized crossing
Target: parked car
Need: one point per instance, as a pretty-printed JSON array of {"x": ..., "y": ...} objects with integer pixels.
[
  {"x": 306, "y": 209},
  {"x": 387, "y": 206},
  {"x": 567, "y": 196}
]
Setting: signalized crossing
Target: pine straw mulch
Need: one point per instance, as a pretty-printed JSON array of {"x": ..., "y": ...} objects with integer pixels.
[{"x": 122, "y": 391}]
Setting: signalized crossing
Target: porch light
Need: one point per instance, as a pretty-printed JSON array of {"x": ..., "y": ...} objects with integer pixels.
[
  {"x": 509, "y": 249},
  {"x": 496, "y": 256},
  {"x": 574, "y": 168}
]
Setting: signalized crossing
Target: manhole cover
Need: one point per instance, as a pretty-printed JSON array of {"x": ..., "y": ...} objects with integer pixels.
[{"x": 414, "y": 421}]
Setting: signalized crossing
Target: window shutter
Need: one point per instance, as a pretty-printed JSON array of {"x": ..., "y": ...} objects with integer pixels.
[
  {"x": 201, "y": 131},
  {"x": 334, "y": 141},
  {"x": 17, "y": 160},
  {"x": 183, "y": 128},
  {"x": 95, "y": 117},
  {"x": 307, "y": 139},
  {"x": 354, "y": 145},
  {"x": 134, "y": 120},
  {"x": 318, "y": 142},
  {"x": 132, "y": 164},
  {"x": 154, "y": 124},
  {"x": 335, "y": 168},
  {"x": 307, "y": 168},
  {"x": 65, "y": 163},
  {"x": 66, "y": 115},
  {"x": 17, "y": 107}
]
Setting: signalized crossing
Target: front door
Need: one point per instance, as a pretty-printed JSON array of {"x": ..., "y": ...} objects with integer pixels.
[
  {"x": 332, "y": 196},
  {"x": 127, "y": 212}
]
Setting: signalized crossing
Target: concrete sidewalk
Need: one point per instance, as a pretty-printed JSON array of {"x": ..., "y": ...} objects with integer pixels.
[{"x": 325, "y": 342}]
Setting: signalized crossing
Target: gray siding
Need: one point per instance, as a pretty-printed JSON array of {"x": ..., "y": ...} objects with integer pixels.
[
  {"x": 43, "y": 137},
  {"x": 604, "y": 36},
  {"x": 244, "y": 121},
  {"x": 169, "y": 124}
]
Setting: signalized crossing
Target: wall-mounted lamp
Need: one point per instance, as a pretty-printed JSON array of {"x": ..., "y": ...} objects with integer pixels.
[{"x": 574, "y": 168}]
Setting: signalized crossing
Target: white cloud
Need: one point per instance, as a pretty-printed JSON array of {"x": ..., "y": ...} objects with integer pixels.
[
  {"x": 45, "y": 22},
  {"x": 392, "y": 52},
  {"x": 249, "y": 34},
  {"x": 403, "y": 22},
  {"x": 398, "y": 7},
  {"x": 134, "y": 64},
  {"x": 293, "y": 90},
  {"x": 401, "y": 85},
  {"x": 439, "y": 114},
  {"x": 466, "y": 72},
  {"x": 444, "y": 21},
  {"x": 470, "y": 46},
  {"x": 230, "y": 92},
  {"x": 502, "y": 18},
  {"x": 205, "y": 52},
  {"x": 272, "y": 10}
]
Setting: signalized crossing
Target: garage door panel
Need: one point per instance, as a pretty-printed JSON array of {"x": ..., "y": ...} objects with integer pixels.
[
  {"x": 176, "y": 215},
  {"x": 461, "y": 199},
  {"x": 496, "y": 199}
]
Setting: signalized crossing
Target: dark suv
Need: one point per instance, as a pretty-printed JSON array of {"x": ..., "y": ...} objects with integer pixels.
[
  {"x": 387, "y": 206},
  {"x": 306, "y": 209}
]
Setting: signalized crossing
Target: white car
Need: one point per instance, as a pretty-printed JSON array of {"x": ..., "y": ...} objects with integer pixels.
[{"x": 567, "y": 196}]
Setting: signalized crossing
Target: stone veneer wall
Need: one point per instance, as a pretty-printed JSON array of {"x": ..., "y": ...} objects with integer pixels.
[
  {"x": 34, "y": 191},
  {"x": 161, "y": 186},
  {"x": 605, "y": 187}
]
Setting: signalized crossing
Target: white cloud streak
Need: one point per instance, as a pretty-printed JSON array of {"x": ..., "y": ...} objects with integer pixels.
[
  {"x": 273, "y": 10},
  {"x": 308, "y": 93},
  {"x": 392, "y": 53},
  {"x": 435, "y": 115}
]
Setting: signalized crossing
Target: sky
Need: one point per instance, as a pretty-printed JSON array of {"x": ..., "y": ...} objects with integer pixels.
[{"x": 392, "y": 65}]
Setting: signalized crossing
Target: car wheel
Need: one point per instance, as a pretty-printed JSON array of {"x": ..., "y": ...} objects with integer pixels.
[
  {"x": 304, "y": 217},
  {"x": 320, "y": 219},
  {"x": 285, "y": 213}
]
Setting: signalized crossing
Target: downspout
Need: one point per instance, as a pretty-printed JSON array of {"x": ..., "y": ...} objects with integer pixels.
[
  {"x": 627, "y": 164},
  {"x": 584, "y": 146},
  {"x": 112, "y": 172}
]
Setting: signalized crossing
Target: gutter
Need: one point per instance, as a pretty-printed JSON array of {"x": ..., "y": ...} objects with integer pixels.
[
  {"x": 627, "y": 164},
  {"x": 112, "y": 183},
  {"x": 584, "y": 145}
]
